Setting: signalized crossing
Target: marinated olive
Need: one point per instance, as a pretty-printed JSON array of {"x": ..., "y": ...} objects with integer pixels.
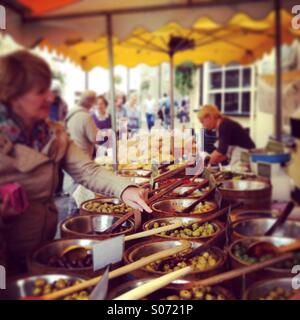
[{"x": 106, "y": 207}]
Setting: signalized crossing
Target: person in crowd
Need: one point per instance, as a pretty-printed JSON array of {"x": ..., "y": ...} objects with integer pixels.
[
  {"x": 59, "y": 108},
  {"x": 102, "y": 119},
  {"x": 32, "y": 149},
  {"x": 166, "y": 110},
  {"x": 100, "y": 114},
  {"x": 120, "y": 103},
  {"x": 80, "y": 124},
  {"x": 133, "y": 115},
  {"x": 183, "y": 113},
  {"x": 150, "y": 107},
  {"x": 232, "y": 137}
]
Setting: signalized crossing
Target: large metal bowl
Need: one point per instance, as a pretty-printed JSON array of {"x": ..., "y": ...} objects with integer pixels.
[
  {"x": 38, "y": 260},
  {"x": 173, "y": 206},
  {"x": 271, "y": 272},
  {"x": 243, "y": 185},
  {"x": 253, "y": 194},
  {"x": 171, "y": 289},
  {"x": 237, "y": 215},
  {"x": 258, "y": 226},
  {"x": 149, "y": 247},
  {"x": 23, "y": 287},
  {"x": 149, "y": 225},
  {"x": 262, "y": 288},
  {"x": 85, "y": 210},
  {"x": 87, "y": 226}
]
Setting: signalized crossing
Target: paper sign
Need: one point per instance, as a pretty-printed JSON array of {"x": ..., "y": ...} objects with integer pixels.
[
  {"x": 245, "y": 156},
  {"x": 264, "y": 169},
  {"x": 100, "y": 291},
  {"x": 108, "y": 252}
]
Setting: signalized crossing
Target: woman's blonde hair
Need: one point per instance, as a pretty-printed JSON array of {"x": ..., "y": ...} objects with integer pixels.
[
  {"x": 209, "y": 110},
  {"x": 21, "y": 72}
]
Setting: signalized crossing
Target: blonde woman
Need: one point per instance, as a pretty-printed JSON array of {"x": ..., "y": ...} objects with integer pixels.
[
  {"x": 32, "y": 150},
  {"x": 231, "y": 135}
]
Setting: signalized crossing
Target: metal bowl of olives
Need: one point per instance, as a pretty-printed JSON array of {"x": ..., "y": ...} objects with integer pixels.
[
  {"x": 173, "y": 206},
  {"x": 258, "y": 226},
  {"x": 49, "y": 258},
  {"x": 191, "y": 229},
  {"x": 91, "y": 226},
  {"x": 40, "y": 285},
  {"x": 104, "y": 206},
  {"x": 174, "y": 292},
  {"x": 239, "y": 258},
  {"x": 212, "y": 261},
  {"x": 273, "y": 289}
]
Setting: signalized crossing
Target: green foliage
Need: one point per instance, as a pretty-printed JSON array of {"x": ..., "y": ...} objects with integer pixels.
[
  {"x": 184, "y": 77},
  {"x": 145, "y": 85}
]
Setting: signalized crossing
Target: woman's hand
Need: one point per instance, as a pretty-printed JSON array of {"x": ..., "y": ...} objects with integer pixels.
[{"x": 136, "y": 198}]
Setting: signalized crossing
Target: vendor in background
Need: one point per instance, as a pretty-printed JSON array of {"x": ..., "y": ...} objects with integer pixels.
[
  {"x": 32, "y": 149},
  {"x": 102, "y": 119},
  {"x": 232, "y": 137},
  {"x": 80, "y": 124},
  {"x": 133, "y": 115},
  {"x": 59, "y": 108}
]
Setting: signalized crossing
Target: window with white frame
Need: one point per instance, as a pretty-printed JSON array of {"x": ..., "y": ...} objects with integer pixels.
[{"x": 229, "y": 87}]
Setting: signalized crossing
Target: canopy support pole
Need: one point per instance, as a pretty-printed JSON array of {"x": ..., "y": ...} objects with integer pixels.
[
  {"x": 112, "y": 89},
  {"x": 86, "y": 84},
  {"x": 172, "y": 101},
  {"x": 278, "y": 71}
]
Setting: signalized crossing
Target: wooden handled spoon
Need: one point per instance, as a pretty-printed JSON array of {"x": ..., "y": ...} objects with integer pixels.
[
  {"x": 281, "y": 219},
  {"x": 261, "y": 248}
]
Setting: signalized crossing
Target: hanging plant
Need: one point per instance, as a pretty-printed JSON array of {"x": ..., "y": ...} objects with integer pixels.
[{"x": 184, "y": 77}]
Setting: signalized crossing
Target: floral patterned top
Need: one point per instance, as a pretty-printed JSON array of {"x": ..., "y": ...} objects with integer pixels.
[{"x": 12, "y": 127}]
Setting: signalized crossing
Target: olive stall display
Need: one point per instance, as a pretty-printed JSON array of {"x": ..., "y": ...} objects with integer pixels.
[{"x": 201, "y": 293}]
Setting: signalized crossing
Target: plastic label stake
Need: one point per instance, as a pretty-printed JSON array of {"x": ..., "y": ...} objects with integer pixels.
[
  {"x": 100, "y": 291},
  {"x": 108, "y": 252}
]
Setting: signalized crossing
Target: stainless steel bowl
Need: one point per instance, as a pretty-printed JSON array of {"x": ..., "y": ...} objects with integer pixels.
[
  {"x": 237, "y": 215},
  {"x": 87, "y": 226},
  {"x": 173, "y": 206},
  {"x": 171, "y": 289},
  {"x": 85, "y": 210},
  {"x": 243, "y": 185},
  {"x": 262, "y": 288},
  {"x": 178, "y": 192},
  {"x": 277, "y": 241},
  {"x": 273, "y": 272},
  {"x": 22, "y": 288},
  {"x": 38, "y": 260},
  {"x": 258, "y": 226},
  {"x": 184, "y": 220},
  {"x": 147, "y": 248}
]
